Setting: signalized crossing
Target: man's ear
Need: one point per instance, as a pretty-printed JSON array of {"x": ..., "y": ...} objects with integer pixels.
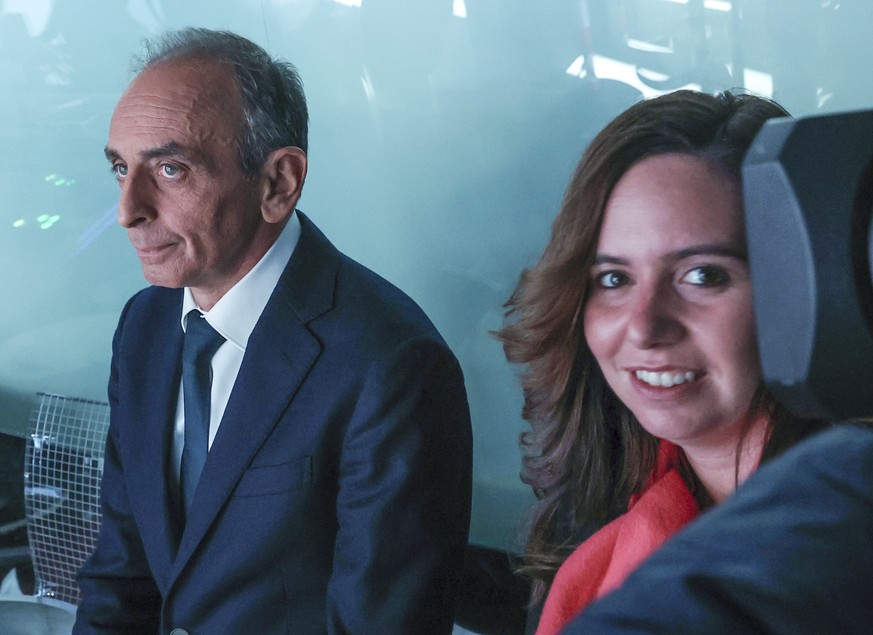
[{"x": 282, "y": 177}]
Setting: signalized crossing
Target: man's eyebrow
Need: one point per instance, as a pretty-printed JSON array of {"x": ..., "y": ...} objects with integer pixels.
[
  {"x": 172, "y": 148},
  {"x": 169, "y": 149}
]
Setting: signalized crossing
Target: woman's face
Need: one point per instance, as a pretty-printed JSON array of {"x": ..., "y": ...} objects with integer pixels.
[{"x": 669, "y": 312}]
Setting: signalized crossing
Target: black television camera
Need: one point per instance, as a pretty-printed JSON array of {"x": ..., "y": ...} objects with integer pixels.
[{"x": 808, "y": 189}]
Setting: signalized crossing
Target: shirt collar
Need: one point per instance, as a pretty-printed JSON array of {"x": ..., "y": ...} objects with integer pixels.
[{"x": 238, "y": 310}]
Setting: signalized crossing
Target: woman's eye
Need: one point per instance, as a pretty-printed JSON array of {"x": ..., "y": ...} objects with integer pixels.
[
  {"x": 611, "y": 279},
  {"x": 707, "y": 276}
]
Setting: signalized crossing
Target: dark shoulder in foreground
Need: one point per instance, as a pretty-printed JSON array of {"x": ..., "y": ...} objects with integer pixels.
[{"x": 790, "y": 552}]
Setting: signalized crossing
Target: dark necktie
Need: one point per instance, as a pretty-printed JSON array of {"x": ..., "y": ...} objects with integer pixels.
[{"x": 201, "y": 342}]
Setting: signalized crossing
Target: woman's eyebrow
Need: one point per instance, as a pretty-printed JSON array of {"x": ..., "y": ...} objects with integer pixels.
[
  {"x": 729, "y": 250},
  {"x": 606, "y": 259}
]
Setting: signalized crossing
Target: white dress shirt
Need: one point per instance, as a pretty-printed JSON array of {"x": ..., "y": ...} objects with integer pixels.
[{"x": 234, "y": 316}]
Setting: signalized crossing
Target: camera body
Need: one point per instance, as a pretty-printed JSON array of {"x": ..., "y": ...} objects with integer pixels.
[{"x": 808, "y": 192}]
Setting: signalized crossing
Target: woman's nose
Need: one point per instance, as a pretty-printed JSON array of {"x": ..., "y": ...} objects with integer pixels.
[{"x": 654, "y": 317}]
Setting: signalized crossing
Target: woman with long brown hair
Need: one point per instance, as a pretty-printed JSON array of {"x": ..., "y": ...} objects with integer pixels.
[{"x": 635, "y": 332}]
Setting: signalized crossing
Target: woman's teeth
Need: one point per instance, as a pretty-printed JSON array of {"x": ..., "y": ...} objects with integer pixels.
[{"x": 665, "y": 380}]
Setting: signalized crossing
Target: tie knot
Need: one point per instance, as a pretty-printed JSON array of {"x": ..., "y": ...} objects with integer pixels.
[{"x": 201, "y": 340}]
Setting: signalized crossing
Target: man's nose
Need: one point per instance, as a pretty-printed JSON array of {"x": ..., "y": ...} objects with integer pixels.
[
  {"x": 654, "y": 316},
  {"x": 136, "y": 204}
]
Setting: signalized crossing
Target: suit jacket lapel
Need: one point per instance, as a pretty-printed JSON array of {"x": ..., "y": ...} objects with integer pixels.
[
  {"x": 150, "y": 390},
  {"x": 279, "y": 354}
]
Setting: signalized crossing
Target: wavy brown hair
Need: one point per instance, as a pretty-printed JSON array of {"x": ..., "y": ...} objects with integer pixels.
[{"x": 585, "y": 454}]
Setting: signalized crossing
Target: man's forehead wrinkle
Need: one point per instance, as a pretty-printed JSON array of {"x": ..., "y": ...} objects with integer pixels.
[
  {"x": 190, "y": 127},
  {"x": 197, "y": 107},
  {"x": 172, "y": 103},
  {"x": 163, "y": 130}
]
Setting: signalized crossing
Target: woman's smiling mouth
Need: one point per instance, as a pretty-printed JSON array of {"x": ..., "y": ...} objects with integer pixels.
[{"x": 666, "y": 379}]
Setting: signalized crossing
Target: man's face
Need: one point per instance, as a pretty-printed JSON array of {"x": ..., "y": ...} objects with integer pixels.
[{"x": 190, "y": 213}]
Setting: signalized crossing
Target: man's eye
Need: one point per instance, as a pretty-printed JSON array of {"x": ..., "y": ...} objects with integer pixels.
[
  {"x": 611, "y": 280},
  {"x": 169, "y": 170},
  {"x": 118, "y": 170},
  {"x": 707, "y": 276}
]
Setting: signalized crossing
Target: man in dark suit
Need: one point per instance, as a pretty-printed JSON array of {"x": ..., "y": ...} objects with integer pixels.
[{"x": 335, "y": 493}]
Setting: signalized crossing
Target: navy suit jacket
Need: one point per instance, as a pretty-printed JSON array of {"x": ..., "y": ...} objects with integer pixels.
[{"x": 336, "y": 495}]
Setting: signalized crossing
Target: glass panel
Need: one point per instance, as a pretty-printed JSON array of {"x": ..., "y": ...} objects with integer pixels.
[{"x": 443, "y": 135}]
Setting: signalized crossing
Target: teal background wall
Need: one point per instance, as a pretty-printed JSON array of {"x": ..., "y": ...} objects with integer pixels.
[{"x": 443, "y": 135}]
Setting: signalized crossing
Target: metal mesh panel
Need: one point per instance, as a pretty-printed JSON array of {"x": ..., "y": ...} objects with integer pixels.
[{"x": 63, "y": 466}]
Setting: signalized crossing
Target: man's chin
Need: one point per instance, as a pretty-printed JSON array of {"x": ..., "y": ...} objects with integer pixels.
[{"x": 161, "y": 278}]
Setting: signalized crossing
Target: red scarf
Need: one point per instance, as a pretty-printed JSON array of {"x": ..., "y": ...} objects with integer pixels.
[{"x": 601, "y": 563}]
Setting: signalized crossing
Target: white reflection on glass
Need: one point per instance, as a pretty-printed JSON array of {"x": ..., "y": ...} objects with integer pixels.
[
  {"x": 105, "y": 221},
  {"x": 35, "y": 13},
  {"x": 758, "y": 82},
  {"x": 609, "y": 68},
  {"x": 714, "y": 5}
]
